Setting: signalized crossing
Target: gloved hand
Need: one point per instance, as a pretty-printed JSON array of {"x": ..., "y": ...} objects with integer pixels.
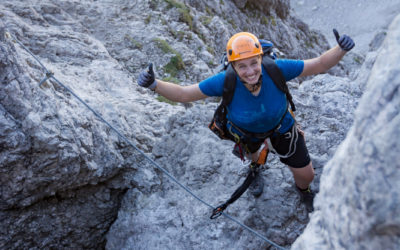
[
  {"x": 147, "y": 79},
  {"x": 345, "y": 42}
]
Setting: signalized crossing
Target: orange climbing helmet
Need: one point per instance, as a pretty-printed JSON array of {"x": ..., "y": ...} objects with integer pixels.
[{"x": 243, "y": 45}]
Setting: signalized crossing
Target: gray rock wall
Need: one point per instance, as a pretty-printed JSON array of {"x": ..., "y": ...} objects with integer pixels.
[
  {"x": 206, "y": 165},
  {"x": 66, "y": 177},
  {"x": 63, "y": 172},
  {"x": 358, "y": 206},
  {"x": 60, "y": 168}
]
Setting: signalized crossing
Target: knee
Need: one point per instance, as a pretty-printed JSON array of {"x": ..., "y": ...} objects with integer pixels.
[
  {"x": 305, "y": 174},
  {"x": 309, "y": 173}
]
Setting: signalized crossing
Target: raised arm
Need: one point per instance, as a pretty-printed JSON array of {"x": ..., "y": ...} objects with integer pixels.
[
  {"x": 330, "y": 58},
  {"x": 170, "y": 90},
  {"x": 179, "y": 93}
]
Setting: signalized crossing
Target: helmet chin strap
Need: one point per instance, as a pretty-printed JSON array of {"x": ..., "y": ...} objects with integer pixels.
[{"x": 253, "y": 87}]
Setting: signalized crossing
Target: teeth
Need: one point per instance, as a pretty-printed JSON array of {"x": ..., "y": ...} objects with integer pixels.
[{"x": 252, "y": 77}]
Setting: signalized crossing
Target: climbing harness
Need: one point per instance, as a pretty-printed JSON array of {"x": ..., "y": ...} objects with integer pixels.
[{"x": 50, "y": 75}]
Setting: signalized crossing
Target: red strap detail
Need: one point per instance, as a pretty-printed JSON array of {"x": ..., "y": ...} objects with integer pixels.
[{"x": 237, "y": 145}]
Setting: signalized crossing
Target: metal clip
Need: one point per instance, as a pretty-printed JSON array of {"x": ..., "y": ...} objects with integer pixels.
[
  {"x": 288, "y": 135},
  {"x": 217, "y": 212}
]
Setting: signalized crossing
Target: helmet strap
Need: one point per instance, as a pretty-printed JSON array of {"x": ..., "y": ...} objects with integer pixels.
[{"x": 254, "y": 87}]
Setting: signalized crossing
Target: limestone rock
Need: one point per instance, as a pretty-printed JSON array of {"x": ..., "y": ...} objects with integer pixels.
[
  {"x": 67, "y": 177},
  {"x": 358, "y": 204}
]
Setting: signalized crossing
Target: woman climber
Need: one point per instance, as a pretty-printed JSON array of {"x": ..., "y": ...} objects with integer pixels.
[{"x": 258, "y": 106}]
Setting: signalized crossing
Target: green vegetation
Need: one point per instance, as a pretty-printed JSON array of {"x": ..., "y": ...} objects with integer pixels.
[
  {"x": 175, "y": 4},
  {"x": 163, "y": 99},
  {"x": 153, "y": 4},
  {"x": 313, "y": 40},
  {"x": 171, "y": 79},
  {"x": 357, "y": 59},
  {"x": 250, "y": 6},
  {"x": 186, "y": 18},
  {"x": 210, "y": 50},
  {"x": 164, "y": 46},
  {"x": 232, "y": 23},
  {"x": 176, "y": 62},
  {"x": 183, "y": 10},
  {"x": 174, "y": 65},
  {"x": 200, "y": 35},
  {"x": 147, "y": 19},
  {"x": 309, "y": 44},
  {"x": 208, "y": 11},
  {"x": 136, "y": 44},
  {"x": 205, "y": 20},
  {"x": 264, "y": 20},
  {"x": 273, "y": 21},
  {"x": 180, "y": 35}
]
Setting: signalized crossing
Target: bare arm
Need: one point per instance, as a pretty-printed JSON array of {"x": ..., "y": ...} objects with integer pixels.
[
  {"x": 177, "y": 93},
  {"x": 330, "y": 58},
  {"x": 324, "y": 62}
]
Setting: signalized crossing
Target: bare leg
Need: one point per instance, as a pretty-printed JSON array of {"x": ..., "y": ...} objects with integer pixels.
[
  {"x": 254, "y": 156},
  {"x": 303, "y": 176}
]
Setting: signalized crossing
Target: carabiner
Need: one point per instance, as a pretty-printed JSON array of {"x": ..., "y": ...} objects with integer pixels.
[
  {"x": 217, "y": 212},
  {"x": 288, "y": 135}
]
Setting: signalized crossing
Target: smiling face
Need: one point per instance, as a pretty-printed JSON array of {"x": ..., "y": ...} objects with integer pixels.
[{"x": 249, "y": 69}]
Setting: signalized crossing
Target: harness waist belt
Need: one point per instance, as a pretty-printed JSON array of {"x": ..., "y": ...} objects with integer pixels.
[{"x": 264, "y": 135}]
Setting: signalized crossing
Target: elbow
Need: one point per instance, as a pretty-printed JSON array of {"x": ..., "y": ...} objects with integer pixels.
[
  {"x": 189, "y": 94},
  {"x": 186, "y": 94},
  {"x": 184, "y": 99},
  {"x": 325, "y": 67},
  {"x": 181, "y": 96}
]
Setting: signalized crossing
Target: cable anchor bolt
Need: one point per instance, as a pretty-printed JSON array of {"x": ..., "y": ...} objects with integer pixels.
[{"x": 49, "y": 74}]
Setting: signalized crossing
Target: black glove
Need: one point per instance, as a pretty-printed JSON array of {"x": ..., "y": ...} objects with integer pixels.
[
  {"x": 345, "y": 42},
  {"x": 147, "y": 79}
]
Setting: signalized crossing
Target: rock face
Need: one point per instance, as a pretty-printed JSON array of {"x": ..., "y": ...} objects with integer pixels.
[
  {"x": 62, "y": 171},
  {"x": 206, "y": 165},
  {"x": 60, "y": 168},
  {"x": 358, "y": 205},
  {"x": 68, "y": 181}
]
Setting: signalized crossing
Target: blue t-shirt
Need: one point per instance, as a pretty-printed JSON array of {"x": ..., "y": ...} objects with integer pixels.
[{"x": 261, "y": 113}]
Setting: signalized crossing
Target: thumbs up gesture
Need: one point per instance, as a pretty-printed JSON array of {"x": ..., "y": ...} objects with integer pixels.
[
  {"x": 147, "y": 79},
  {"x": 345, "y": 42}
]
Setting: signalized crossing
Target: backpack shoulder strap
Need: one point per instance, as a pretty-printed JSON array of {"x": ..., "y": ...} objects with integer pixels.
[
  {"x": 278, "y": 78},
  {"x": 229, "y": 85},
  {"x": 218, "y": 123}
]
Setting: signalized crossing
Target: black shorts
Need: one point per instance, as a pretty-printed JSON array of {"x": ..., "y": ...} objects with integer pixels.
[{"x": 281, "y": 143}]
